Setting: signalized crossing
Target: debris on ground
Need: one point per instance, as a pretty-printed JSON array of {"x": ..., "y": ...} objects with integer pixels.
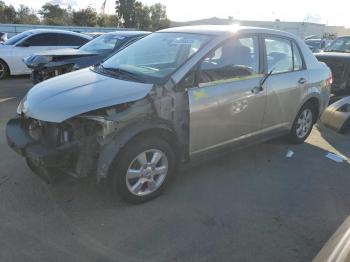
[
  {"x": 335, "y": 157},
  {"x": 290, "y": 153}
]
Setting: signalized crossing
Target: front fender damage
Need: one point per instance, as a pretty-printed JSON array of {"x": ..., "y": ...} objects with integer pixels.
[
  {"x": 160, "y": 110},
  {"x": 102, "y": 134}
]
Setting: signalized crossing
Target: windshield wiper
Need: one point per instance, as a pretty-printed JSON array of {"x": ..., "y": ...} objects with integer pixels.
[{"x": 124, "y": 74}]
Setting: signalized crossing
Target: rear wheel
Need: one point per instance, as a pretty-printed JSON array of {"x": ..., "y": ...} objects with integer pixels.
[
  {"x": 4, "y": 70},
  {"x": 303, "y": 124},
  {"x": 143, "y": 169}
]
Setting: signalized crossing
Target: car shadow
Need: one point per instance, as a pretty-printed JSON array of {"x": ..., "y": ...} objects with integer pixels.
[
  {"x": 256, "y": 198},
  {"x": 340, "y": 142}
]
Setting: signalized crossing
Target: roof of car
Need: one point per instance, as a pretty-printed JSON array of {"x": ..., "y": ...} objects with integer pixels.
[
  {"x": 129, "y": 33},
  {"x": 223, "y": 29},
  {"x": 42, "y": 30}
]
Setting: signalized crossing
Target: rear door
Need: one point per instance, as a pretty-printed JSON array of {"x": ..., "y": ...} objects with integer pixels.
[
  {"x": 227, "y": 106},
  {"x": 285, "y": 85},
  {"x": 31, "y": 45}
]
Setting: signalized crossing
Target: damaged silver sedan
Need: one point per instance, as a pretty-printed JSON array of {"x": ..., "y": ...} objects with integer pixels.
[{"x": 176, "y": 95}]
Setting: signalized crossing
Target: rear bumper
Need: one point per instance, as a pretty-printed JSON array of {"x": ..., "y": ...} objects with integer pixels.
[{"x": 40, "y": 155}]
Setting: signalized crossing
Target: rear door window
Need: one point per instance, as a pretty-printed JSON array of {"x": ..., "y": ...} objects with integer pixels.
[
  {"x": 71, "y": 40},
  {"x": 279, "y": 55}
]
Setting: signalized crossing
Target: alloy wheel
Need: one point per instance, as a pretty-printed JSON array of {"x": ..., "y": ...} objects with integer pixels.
[
  {"x": 147, "y": 172},
  {"x": 304, "y": 123}
]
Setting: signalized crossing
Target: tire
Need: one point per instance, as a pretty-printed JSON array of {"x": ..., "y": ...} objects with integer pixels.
[
  {"x": 4, "y": 70},
  {"x": 303, "y": 124},
  {"x": 146, "y": 179}
]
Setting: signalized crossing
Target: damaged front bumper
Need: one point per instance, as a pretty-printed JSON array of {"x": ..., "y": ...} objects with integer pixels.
[
  {"x": 44, "y": 73},
  {"x": 40, "y": 157}
]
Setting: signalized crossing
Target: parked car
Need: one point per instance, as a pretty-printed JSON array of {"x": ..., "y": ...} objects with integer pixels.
[
  {"x": 3, "y": 37},
  {"x": 47, "y": 64},
  {"x": 336, "y": 249},
  {"x": 337, "y": 57},
  {"x": 29, "y": 42},
  {"x": 94, "y": 34},
  {"x": 315, "y": 45},
  {"x": 174, "y": 96}
]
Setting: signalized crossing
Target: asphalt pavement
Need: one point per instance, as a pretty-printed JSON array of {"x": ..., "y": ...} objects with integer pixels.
[{"x": 251, "y": 205}]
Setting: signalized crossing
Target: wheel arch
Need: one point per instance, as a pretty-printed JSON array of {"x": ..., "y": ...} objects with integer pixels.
[
  {"x": 157, "y": 128},
  {"x": 312, "y": 96},
  {"x": 316, "y": 103}
]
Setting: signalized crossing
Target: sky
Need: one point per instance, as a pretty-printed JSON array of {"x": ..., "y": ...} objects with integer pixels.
[{"x": 335, "y": 12}]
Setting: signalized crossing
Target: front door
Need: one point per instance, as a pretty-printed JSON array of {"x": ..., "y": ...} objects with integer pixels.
[{"x": 228, "y": 104}]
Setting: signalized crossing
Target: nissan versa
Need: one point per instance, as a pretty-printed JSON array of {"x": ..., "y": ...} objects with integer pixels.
[{"x": 176, "y": 95}]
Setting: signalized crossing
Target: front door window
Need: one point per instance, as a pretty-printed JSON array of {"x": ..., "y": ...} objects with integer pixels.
[{"x": 236, "y": 59}]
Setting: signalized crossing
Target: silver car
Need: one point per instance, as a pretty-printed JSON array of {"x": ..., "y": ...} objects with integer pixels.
[{"x": 177, "y": 95}]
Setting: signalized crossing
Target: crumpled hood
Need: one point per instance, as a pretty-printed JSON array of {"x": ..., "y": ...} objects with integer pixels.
[
  {"x": 69, "y": 95},
  {"x": 63, "y": 52},
  {"x": 57, "y": 55}
]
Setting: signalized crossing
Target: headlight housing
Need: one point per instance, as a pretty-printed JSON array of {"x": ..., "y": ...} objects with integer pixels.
[{"x": 37, "y": 60}]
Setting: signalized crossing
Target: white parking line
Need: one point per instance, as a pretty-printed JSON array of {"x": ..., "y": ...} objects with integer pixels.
[{"x": 4, "y": 99}]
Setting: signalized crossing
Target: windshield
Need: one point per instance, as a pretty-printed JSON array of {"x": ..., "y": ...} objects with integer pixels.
[
  {"x": 15, "y": 39},
  {"x": 340, "y": 45},
  {"x": 103, "y": 43},
  {"x": 157, "y": 55}
]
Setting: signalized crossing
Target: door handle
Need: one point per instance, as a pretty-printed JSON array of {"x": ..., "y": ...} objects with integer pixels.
[
  {"x": 302, "y": 81},
  {"x": 257, "y": 89}
]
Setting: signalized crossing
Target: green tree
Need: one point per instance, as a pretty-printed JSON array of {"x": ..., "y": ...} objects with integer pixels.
[
  {"x": 107, "y": 20},
  {"x": 133, "y": 13},
  {"x": 142, "y": 16},
  {"x": 125, "y": 10},
  {"x": 85, "y": 17},
  {"x": 102, "y": 20},
  {"x": 7, "y": 13},
  {"x": 55, "y": 15},
  {"x": 159, "y": 19},
  {"x": 113, "y": 21},
  {"x": 25, "y": 15}
]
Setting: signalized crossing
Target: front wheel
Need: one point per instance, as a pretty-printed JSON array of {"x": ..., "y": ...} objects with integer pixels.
[
  {"x": 143, "y": 169},
  {"x": 303, "y": 124},
  {"x": 4, "y": 70}
]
